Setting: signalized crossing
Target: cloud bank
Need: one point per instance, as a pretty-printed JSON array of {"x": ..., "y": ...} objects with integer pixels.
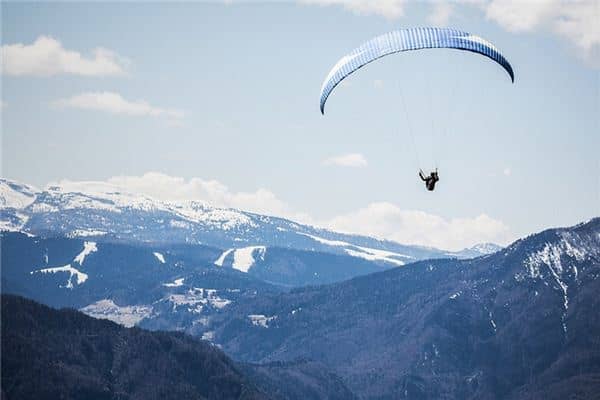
[
  {"x": 47, "y": 56},
  {"x": 381, "y": 219},
  {"x": 114, "y": 103},
  {"x": 389, "y": 221}
]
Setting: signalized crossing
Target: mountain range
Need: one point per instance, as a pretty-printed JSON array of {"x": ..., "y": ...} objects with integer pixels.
[
  {"x": 101, "y": 212},
  {"x": 375, "y": 319},
  {"x": 521, "y": 323},
  {"x": 162, "y": 265}
]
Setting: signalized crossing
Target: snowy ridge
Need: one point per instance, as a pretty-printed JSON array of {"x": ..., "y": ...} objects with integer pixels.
[
  {"x": 485, "y": 248},
  {"x": 326, "y": 241},
  {"x": 226, "y": 219},
  {"x": 98, "y": 209},
  {"x": 16, "y": 195},
  {"x": 367, "y": 253},
  {"x": 100, "y": 196},
  {"x": 557, "y": 258},
  {"x": 103, "y": 197},
  {"x": 376, "y": 255}
]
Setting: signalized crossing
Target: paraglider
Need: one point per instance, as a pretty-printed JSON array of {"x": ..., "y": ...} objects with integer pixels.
[
  {"x": 430, "y": 180},
  {"x": 406, "y": 40}
]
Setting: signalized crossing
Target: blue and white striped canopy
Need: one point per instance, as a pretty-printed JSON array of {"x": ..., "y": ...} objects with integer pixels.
[{"x": 404, "y": 40}]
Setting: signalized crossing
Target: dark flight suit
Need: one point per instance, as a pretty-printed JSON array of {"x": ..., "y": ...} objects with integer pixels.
[{"x": 430, "y": 180}]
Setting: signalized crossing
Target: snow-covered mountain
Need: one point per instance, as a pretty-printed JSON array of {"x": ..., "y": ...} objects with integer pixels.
[
  {"x": 480, "y": 249},
  {"x": 522, "y": 323},
  {"x": 108, "y": 214},
  {"x": 16, "y": 195},
  {"x": 457, "y": 328}
]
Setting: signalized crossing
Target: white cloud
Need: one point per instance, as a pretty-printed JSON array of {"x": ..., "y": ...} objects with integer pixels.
[
  {"x": 440, "y": 13},
  {"x": 383, "y": 219},
  {"x": 387, "y": 220},
  {"x": 390, "y": 9},
  {"x": 507, "y": 171},
  {"x": 577, "y": 21},
  {"x": 46, "y": 56},
  {"x": 378, "y": 83},
  {"x": 519, "y": 16},
  {"x": 116, "y": 104},
  {"x": 347, "y": 160},
  {"x": 580, "y": 22}
]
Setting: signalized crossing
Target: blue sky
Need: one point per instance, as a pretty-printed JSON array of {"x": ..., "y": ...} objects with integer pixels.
[{"x": 219, "y": 101}]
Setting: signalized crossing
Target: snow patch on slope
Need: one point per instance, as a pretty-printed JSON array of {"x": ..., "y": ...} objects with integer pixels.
[
  {"x": 159, "y": 257},
  {"x": 553, "y": 255},
  {"x": 176, "y": 283},
  {"x": 243, "y": 259},
  {"x": 492, "y": 322},
  {"x": 77, "y": 233},
  {"x": 88, "y": 248},
  {"x": 127, "y": 316},
  {"x": 81, "y": 277},
  {"x": 367, "y": 253},
  {"x": 196, "y": 298},
  {"x": 261, "y": 320},
  {"x": 219, "y": 261},
  {"x": 40, "y": 208},
  {"x": 73, "y": 272},
  {"x": 222, "y": 218},
  {"x": 326, "y": 241},
  {"x": 376, "y": 255},
  {"x": 12, "y": 222}
]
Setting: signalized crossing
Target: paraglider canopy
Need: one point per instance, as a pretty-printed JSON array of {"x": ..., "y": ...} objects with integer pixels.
[{"x": 405, "y": 40}]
